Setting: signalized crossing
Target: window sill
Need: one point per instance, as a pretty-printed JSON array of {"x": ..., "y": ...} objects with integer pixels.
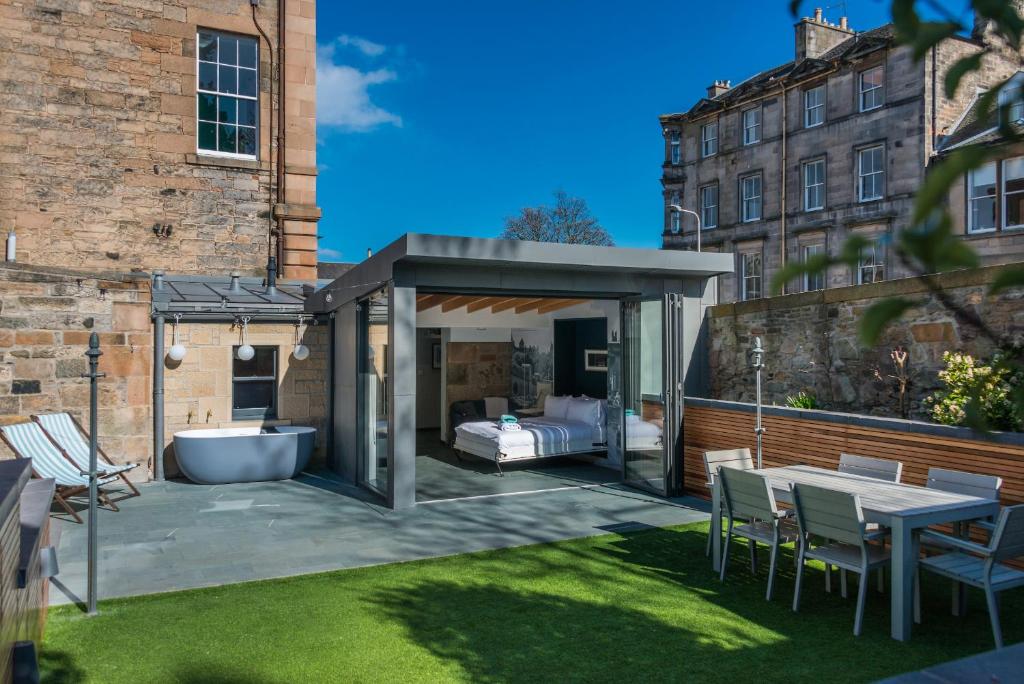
[{"x": 227, "y": 162}]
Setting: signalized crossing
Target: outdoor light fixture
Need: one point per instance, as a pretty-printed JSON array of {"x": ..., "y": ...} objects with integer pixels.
[
  {"x": 177, "y": 351},
  {"x": 680, "y": 210},
  {"x": 301, "y": 351},
  {"x": 245, "y": 351},
  {"x": 757, "y": 363}
]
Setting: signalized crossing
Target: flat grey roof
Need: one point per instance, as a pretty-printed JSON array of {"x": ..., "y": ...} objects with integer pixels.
[
  {"x": 514, "y": 254},
  {"x": 204, "y": 294}
]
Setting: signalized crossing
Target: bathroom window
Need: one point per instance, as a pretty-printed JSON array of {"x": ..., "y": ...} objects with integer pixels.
[{"x": 254, "y": 385}]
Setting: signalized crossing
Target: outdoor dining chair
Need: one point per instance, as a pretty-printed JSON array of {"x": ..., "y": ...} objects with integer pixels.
[
  {"x": 878, "y": 468},
  {"x": 981, "y": 565},
  {"x": 713, "y": 460},
  {"x": 68, "y": 434},
  {"x": 832, "y": 530},
  {"x": 748, "y": 498},
  {"x": 27, "y": 440}
]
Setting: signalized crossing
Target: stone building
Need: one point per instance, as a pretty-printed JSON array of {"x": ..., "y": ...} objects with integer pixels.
[
  {"x": 156, "y": 136},
  {"x": 790, "y": 162}
]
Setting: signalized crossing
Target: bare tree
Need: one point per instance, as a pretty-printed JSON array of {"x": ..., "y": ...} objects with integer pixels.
[{"x": 569, "y": 221}]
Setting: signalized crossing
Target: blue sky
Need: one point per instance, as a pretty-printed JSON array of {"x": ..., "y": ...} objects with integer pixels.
[{"x": 446, "y": 117}]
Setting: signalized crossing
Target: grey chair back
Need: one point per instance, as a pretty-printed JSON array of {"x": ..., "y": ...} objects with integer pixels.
[
  {"x": 971, "y": 484},
  {"x": 747, "y": 495},
  {"x": 878, "y": 468},
  {"x": 1008, "y": 538},
  {"x": 739, "y": 459},
  {"x": 829, "y": 514}
]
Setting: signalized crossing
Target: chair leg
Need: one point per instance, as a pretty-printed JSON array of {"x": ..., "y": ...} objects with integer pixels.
[
  {"x": 881, "y": 580},
  {"x": 105, "y": 500},
  {"x": 959, "y": 608},
  {"x": 917, "y": 597},
  {"x": 771, "y": 571},
  {"x": 67, "y": 507},
  {"x": 799, "y": 578},
  {"x": 862, "y": 593},
  {"x": 993, "y": 616},
  {"x": 131, "y": 485},
  {"x": 828, "y": 578},
  {"x": 753, "y": 556},
  {"x": 842, "y": 583},
  {"x": 707, "y": 549},
  {"x": 725, "y": 551}
]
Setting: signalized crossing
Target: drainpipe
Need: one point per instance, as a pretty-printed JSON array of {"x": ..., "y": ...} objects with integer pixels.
[
  {"x": 329, "y": 456},
  {"x": 281, "y": 129},
  {"x": 158, "y": 397},
  {"x": 782, "y": 188},
  {"x": 272, "y": 224},
  {"x": 271, "y": 277}
]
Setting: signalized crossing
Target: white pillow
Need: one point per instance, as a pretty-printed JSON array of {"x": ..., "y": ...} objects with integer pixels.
[
  {"x": 584, "y": 410},
  {"x": 556, "y": 407}
]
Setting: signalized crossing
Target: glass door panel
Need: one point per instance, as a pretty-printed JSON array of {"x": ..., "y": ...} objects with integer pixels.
[
  {"x": 373, "y": 391},
  {"x": 645, "y": 404}
]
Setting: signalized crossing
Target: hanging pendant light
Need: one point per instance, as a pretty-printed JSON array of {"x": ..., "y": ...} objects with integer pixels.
[
  {"x": 177, "y": 351},
  {"x": 245, "y": 351},
  {"x": 299, "y": 351}
]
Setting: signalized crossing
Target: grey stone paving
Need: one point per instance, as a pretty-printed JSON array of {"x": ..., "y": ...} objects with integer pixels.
[{"x": 179, "y": 535}]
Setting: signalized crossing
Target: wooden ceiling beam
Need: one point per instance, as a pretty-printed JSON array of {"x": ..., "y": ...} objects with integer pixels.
[
  {"x": 527, "y": 304},
  {"x": 559, "y": 304},
  {"x": 430, "y": 301},
  {"x": 481, "y": 304},
  {"x": 509, "y": 303},
  {"x": 457, "y": 302}
]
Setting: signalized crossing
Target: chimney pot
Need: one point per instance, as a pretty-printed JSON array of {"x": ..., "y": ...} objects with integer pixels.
[
  {"x": 235, "y": 284},
  {"x": 817, "y": 14},
  {"x": 842, "y": 22}
]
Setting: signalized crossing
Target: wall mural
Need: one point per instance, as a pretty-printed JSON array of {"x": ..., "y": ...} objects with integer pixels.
[{"x": 532, "y": 366}]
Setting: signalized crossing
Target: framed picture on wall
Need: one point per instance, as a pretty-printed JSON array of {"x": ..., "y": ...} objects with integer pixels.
[
  {"x": 435, "y": 349},
  {"x": 595, "y": 360}
]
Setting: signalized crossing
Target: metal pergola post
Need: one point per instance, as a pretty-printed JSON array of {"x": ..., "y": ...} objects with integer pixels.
[{"x": 94, "y": 375}]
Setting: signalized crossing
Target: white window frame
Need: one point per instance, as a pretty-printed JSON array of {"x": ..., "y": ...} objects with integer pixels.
[
  {"x": 709, "y": 143},
  {"x": 817, "y": 108},
  {"x": 751, "y": 283},
  {"x": 702, "y": 193},
  {"x": 861, "y": 175},
  {"x": 972, "y": 199},
  {"x": 810, "y": 251},
  {"x": 217, "y": 153},
  {"x": 675, "y": 218},
  {"x": 876, "y": 267},
  {"x": 1001, "y": 188},
  {"x": 876, "y": 93},
  {"x": 751, "y": 128},
  {"x": 744, "y": 197},
  {"x": 805, "y": 167},
  {"x": 675, "y": 147}
]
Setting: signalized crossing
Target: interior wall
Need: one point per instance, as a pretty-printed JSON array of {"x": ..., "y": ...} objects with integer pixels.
[
  {"x": 572, "y": 339},
  {"x": 428, "y": 379},
  {"x": 478, "y": 369}
]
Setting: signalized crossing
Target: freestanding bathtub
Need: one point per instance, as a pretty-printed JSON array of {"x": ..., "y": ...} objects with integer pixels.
[{"x": 249, "y": 454}]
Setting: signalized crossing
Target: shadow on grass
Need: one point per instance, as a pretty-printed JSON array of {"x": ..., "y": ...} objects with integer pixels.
[{"x": 57, "y": 667}]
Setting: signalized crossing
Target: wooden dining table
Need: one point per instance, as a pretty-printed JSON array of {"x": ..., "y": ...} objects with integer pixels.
[{"x": 904, "y": 509}]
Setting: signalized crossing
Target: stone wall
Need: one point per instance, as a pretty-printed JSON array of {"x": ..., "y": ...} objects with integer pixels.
[
  {"x": 98, "y": 139},
  {"x": 197, "y": 390},
  {"x": 812, "y": 344},
  {"x": 478, "y": 369},
  {"x": 46, "y": 318}
]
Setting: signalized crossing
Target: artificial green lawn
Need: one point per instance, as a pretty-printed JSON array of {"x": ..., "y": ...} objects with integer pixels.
[{"x": 639, "y": 606}]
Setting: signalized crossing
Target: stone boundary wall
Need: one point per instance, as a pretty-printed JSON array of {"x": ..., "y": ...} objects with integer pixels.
[
  {"x": 812, "y": 344},
  {"x": 46, "y": 318}
]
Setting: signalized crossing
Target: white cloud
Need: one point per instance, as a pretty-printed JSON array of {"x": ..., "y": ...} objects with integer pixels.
[
  {"x": 328, "y": 253},
  {"x": 342, "y": 90}
]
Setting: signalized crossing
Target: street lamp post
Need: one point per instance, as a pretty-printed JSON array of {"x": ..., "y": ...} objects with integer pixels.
[
  {"x": 679, "y": 209},
  {"x": 757, "y": 363}
]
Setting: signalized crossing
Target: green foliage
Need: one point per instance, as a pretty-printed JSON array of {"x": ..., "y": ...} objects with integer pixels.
[
  {"x": 802, "y": 400},
  {"x": 977, "y": 394}
]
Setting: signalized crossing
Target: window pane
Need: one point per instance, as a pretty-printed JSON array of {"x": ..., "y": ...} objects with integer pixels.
[
  {"x": 247, "y": 82},
  {"x": 983, "y": 213},
  {"x": 261, "y": 365},
  {"x": 226, "y": 141},
  {"x": 226, "y": 109},
  {"x": 246, "y": 140},
  {"x": 247, "y": 52},
  {"x": 228, "y": 80},
  {"x": 207, "y": 76},
  {"x": 984, "y": 179},
  {"x": 228, "y": 50},
  {"x": 1014, "y": 210},
  {"x": 872, "y": 78},
  {"x": 253, "y": 395},
  {"x": 1013, "y": 169},
  {"x": 207, "y": 107},
  {"x": 247, "y": 112},
  {"x": 207, "y": 136},
  {"x": 208, "y": 47}
]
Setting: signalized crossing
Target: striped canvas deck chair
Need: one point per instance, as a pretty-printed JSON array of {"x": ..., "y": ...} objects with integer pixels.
[
  {"x": 27, "y": 440},
  {"x": 68, "y": 434}
]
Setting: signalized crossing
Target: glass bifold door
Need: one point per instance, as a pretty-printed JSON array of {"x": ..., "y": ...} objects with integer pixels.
[
  {"x": 372, "y": 392},
  {"x": 652, "y": 392}
]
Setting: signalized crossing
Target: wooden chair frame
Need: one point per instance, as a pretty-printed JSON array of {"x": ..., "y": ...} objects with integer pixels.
[{"x": 99, "y": 451}]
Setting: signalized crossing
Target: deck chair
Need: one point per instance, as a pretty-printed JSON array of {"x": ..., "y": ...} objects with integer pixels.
[
  {"x": 980, "y": 565},
  {"x": 27, "y": 440},
  {"x": 878, "y": 468},
  {"x": 713, "y": 460},
  {"x": 832, "y": 530},
  {"x": 68, "y": 434},
  {"x": 749, "y": 498}
]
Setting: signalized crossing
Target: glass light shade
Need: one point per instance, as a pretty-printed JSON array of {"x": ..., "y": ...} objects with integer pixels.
[
  {"x": 245, "y": 352},
  {"x": 177, "y": 352},
  {"x": 301, "y": 352}
]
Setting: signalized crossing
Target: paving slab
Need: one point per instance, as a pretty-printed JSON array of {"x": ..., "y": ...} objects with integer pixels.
[{"x": 179, "y": 535}]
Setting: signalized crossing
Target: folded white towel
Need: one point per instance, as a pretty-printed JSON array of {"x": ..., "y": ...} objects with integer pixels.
[{"x": 511, "y": 427}]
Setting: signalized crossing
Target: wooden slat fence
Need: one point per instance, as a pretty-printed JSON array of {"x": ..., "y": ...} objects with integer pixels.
[{"x": 818, "y": 437}]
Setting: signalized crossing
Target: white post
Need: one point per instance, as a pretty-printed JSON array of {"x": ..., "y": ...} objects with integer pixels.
[
  {"x": 679, "y": 209},
  {"x": 757, "y": 361}
]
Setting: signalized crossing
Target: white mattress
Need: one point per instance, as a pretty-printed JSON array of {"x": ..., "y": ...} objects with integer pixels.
[
  {"x": 537, "y": 437},
  {"x": 642, "y": 434}
]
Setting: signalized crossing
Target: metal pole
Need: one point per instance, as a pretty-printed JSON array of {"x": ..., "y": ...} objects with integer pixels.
[
  {"x": 757, "y": 354},
  {"x": 677, "y": 208},
  {"x": 158, "y": 397},
  {"x": 94, "y": 354}
]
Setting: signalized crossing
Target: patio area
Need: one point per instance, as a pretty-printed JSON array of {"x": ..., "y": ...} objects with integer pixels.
[{"x": 178, "y": 535}]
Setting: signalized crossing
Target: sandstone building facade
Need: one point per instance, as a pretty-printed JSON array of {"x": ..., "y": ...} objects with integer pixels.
[{"x": 790, "y": 162}]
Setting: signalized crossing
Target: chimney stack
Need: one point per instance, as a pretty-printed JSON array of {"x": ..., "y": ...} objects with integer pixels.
[
  {"x": 815, "y": 35},
  {"x": 717, "y": 88}
]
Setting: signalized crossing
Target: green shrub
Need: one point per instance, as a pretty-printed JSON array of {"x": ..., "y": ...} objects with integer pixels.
[
  {"x": 802, "y": 400},
  {"x": 976, "y": 394}
]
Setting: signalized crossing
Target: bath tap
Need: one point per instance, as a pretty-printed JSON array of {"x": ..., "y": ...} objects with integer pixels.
[
  {"x": 190, "y": 416},
  {"x": 209, "y": 414}
]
